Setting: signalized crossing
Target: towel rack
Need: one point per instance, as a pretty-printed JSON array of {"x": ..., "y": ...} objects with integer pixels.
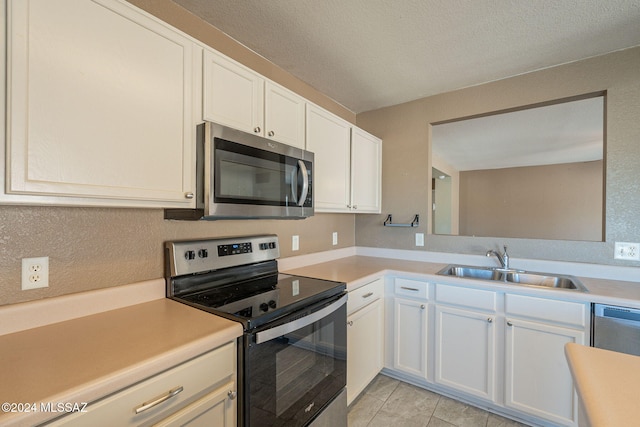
[{"x": 388, "y": 222}]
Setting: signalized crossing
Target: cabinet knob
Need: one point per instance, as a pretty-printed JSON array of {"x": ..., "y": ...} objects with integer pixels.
[
  {"x": 232, "y": 394},
  {"x": 271, "y": 133},
  {"x": 422, "y": 306},
  {"x": 509, "y": 323},
  {"x": 257, "y": 129},
  {"x": 188, "y": 195},
  {"x": 350, "y": 323},
  {"x": 490, "y": 320}
]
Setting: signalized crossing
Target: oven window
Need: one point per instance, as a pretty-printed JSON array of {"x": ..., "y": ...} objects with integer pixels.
[{"x": 293, "y": 376}]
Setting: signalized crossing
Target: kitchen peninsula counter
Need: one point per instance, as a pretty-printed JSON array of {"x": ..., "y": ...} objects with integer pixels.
[
  {"x": 86, "y": 358},
  {"x": 607, "y": 383}
]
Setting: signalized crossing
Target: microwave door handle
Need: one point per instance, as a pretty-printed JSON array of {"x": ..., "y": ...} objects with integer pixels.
[
  {"x": 305, "y": 183},
  {"x": 294, "y": 186}
]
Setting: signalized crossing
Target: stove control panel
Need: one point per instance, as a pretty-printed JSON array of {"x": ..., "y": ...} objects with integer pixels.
[
  {"x": 235, "y": 249},
  {"x": 197, "y": 256}
]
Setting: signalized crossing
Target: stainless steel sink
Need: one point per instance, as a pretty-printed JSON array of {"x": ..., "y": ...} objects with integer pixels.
[{"x": 518, "y": 277}]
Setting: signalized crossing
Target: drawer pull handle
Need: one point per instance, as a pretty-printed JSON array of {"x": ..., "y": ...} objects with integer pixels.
[
  {"x": 158, "y": 400},
  {"x": 409, "y": 289},
  {"x": 367, "y": 295}
]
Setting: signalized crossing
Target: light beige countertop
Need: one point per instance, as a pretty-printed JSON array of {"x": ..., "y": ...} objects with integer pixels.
[
  {"x": 89, "y": 357},
  {"x": 608, "y": 384},
  {"x": 358, "y": 270}
]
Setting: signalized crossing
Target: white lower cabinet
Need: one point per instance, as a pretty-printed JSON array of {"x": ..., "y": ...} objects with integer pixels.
[
  {"x": 465, "y": 351},
  {"x": 410, "y": 323},
  {"x": 537, "y": 378},
  {"x": 365, "y": 337},
  {"x": 213, "y": 410},
  {"x": 498, "y": 349},
  {"x": 465, "y": 331},
  {"x": 200, "y": 392},
  {"x": 410, "y": 337}
]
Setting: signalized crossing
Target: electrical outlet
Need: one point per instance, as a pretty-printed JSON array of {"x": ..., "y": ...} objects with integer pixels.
[
  {"x": 295, "y": 243},
  {"x": 624, "y": 250},
  {"x": 335, "y": 238},
  {"x": 419, "y": 239},
  {"x": 35, "y": 273}
]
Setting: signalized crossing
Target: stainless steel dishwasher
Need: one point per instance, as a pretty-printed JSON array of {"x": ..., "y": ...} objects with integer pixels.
[{"x": 616, "y": 328}]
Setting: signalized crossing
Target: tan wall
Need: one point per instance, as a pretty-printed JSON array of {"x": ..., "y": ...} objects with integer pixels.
[
  {"x": 506, "y": 202},
  {"x": 405, "y": 131},
  {"x": 91, "y": 248}
]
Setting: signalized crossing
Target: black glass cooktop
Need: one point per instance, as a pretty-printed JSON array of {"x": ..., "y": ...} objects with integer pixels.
[{"x": 258, "y": 301}]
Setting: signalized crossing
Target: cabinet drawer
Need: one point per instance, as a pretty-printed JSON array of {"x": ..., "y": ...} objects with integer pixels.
[
  {"x": 411, "y": 288},
  {"x": 570, "y": 313},
  {"x": 196, "y": 377},
  {"x": 466, "y": 297},
  {"x": 365, "y": 295}
]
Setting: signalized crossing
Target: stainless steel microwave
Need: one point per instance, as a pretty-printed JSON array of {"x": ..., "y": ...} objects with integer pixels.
[{"x": 240, "y": 175}]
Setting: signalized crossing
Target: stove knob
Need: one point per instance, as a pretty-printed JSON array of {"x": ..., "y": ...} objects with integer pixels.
[
  {"x": 190, "y": 255},
  {"x": 272, "y": 304},
  {"x": 203, "y": 253},
  {"x": 264, "y": 307}
]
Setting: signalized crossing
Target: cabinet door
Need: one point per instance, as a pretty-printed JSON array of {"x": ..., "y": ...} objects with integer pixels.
[
  {"x": 99, "y": 105},
  {"x": 538, "y": 380},
  {"x": 233, "y": 94},
  {"x": 410, "y": 336},
  {"x": 365, "y": 349},
  {"x": 366, "y": 172},
  {"x": 328, "y": 137},
  {"x": 216, "y": 409},
  {"x": 284, "y": 115},
  {"x": 465, "y": 351}
]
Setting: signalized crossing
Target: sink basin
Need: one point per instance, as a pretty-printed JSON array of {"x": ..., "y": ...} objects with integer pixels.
[{"x": 518, "y": 277}]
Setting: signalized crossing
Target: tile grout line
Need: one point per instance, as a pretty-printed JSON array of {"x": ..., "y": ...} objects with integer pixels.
[{"x": 383, "y": 403}]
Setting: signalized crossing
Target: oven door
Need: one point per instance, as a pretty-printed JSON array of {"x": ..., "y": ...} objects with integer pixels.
[{"x": 295, "y": 367}]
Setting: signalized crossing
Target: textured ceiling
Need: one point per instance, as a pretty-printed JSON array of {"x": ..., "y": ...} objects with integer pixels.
[{"x": 367, "y": 54}]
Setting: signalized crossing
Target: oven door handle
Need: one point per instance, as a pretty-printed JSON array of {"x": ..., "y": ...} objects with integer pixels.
[{"x": 286, "y": 328}]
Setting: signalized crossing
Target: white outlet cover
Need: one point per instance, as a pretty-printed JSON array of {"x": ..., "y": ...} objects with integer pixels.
[
  {"x": 334, "y": 238},
  {"x": 626, "y": 250},
  {"x": 35, "y": 273},
  {"x": 295, "y": 243},
  {"x": 419, "y": 239}
]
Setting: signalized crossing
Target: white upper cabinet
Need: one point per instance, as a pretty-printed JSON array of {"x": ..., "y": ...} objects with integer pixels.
[
  {"x": 236, "y": 96},
  {"x": 366, "y": 176},
  {"x": 233, "y": 94},
  {"x": 284, "y": 115},
  {"x": 328, "y": 137},
  {"x": 348, "y": 164},
  {"x": 99, "y": 106}
]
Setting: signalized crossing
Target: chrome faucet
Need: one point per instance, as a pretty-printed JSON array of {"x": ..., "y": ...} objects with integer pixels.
[{"x": 503, "y": 258}]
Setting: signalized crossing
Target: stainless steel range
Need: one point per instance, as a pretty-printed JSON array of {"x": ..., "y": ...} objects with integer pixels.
[{"x": 292, "y": 355}]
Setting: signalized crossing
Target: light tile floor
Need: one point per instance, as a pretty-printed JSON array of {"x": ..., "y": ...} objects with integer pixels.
[{"x": 388, "y": 402}]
